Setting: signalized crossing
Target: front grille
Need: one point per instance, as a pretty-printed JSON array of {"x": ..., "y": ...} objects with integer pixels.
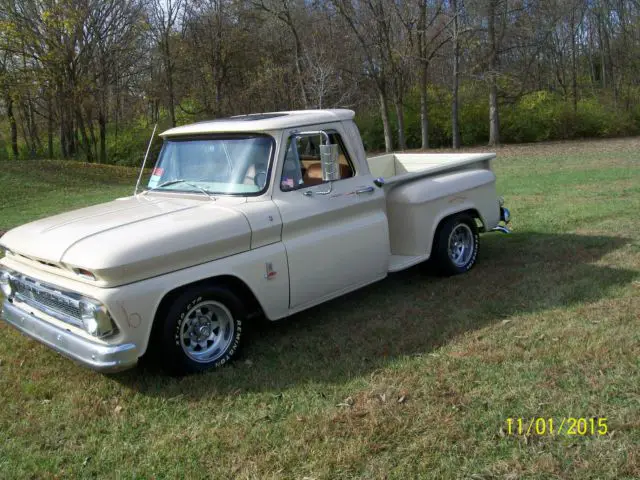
[{"x": 48, "y": 299}]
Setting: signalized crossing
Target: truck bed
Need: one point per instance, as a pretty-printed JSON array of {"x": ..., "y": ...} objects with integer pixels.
[
  {"x": 400, "y": 167},
  {"x": 422, "y": 189}
]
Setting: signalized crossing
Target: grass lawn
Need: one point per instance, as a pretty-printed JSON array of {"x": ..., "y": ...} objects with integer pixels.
[{"x": 412, "y": 377}]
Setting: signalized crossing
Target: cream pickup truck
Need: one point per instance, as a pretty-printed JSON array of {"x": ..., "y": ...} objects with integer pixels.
[{"x": 265, "y": 214}]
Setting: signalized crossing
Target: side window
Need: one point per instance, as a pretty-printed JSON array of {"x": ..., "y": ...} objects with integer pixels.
[{"x": 302, "y": 167}]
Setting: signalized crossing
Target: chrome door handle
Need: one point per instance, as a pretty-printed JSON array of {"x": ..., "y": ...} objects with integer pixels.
[
  {"x": 364, "y": 190},
  {"x": 308, "y": 193}
]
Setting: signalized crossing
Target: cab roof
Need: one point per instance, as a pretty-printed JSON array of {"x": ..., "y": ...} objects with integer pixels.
[{"x": 260, "y": 122}]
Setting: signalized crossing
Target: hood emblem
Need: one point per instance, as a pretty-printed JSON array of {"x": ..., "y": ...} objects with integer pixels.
[{"x": 271, "y": 273}]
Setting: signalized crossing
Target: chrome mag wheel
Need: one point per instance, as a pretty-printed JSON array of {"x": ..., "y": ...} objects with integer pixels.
[
  {"x": 461, "y": 245},
  {"x": 207, "y": 331}
]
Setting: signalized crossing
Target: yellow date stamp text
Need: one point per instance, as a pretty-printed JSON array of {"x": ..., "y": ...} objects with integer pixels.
[{"x": 549, "y": 426}]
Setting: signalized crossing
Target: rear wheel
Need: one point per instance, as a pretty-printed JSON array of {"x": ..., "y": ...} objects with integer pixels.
[
  {"x": 456, "y": 244},
  {"x": 202, "y": 330}
]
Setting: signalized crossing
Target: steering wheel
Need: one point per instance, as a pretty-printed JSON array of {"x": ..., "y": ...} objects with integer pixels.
[{"x": 260, "y": 179}]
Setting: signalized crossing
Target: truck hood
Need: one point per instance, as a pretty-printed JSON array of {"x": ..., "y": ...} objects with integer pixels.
[{"x": 132, "y": 238}]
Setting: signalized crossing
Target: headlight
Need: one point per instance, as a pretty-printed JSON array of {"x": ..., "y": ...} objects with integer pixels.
[
  {"x": 96, "y": 318},
  {"x": 5, "y": 286},
  {"x": 5, "y": 283}
]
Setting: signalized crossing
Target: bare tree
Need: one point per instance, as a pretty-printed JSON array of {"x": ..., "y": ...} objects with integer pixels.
[
  {"x": 370, "y": 26},
  {"x": 284, "y": 11},
  {"x": 163, "y": 18},
  {"x": 455, "y": 101},
  {"x": 494, "y": 45}
]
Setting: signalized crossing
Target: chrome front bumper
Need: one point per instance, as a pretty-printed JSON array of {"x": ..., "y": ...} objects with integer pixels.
[{"x": 97, "y": 356}]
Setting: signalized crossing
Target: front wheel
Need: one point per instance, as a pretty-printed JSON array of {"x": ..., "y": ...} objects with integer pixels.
[
  {"x": 202, "y": 330},
  {"x": 456, "y": 244}
]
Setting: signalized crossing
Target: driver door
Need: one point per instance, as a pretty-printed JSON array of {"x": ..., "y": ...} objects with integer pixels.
[{"x": 335, "y": 233}]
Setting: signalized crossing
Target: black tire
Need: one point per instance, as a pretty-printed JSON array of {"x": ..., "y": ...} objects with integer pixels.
[
  {"x": 177, "y": 353},
  {"x": 444, "y": 259}
]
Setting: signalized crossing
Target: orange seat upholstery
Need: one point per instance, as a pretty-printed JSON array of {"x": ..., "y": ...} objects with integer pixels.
[{"x": 313, "y": 174}]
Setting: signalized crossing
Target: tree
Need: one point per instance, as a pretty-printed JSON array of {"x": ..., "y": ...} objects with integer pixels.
[
  {"x": 285, "y": 12},
  {"x": 494, "y": 45},
  {"x": 369, "y": 22},
  {"x": 455, "y": 100},
  {"x": 163, "y": 19}
]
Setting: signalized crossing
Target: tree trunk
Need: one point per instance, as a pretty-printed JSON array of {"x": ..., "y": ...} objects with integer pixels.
[
  {"x": 33, "y": 129},
  {"x": 13, "y": 126},
  {"x": 386, "y": 125},
  {"x": 69, "y": 129},
  {"x": 603, "y": 62},
  {"x": 424, "y": 112},
  {"x": 63, "y": 138},
  {"x": 102, "y": 122},
  {"x": 172, "y": 100},
  {"x": 94, "y": 141},
  {"x": 574, "y": 73},
  {"x": 299, "y": 68},
  {"x": 424, "y": 69},
  {"x": 85, "y": 138},
  {"x": 49, "y": 125},
  {"x": 494, "y": 121},
  {"x": 402, "y": 144},
  {"x": 170, "y": 87},
  {"x": 455, "y": 127}
]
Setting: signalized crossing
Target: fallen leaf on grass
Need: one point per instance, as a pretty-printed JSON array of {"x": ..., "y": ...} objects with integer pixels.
[
  {"x": 348, "y": 402},
  {"x": 118, "y": 409}
]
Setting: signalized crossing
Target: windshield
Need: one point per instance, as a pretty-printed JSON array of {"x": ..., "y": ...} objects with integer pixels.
[{"x": 223, "y": 165}]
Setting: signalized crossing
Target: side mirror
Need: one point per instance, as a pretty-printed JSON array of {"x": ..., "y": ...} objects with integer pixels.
[{"x": 329, "y": 162}]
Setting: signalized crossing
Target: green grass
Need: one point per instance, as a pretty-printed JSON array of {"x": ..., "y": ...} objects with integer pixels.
[{"x": 412, "y": 377}]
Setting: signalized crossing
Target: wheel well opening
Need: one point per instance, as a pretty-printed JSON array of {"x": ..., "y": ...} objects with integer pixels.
[
  {"x": 236, "y": 285},
  {"x": 472, "y": 212}
]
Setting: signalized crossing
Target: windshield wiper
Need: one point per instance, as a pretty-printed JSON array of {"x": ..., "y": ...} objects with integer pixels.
[{"x": 180, "y": 180}]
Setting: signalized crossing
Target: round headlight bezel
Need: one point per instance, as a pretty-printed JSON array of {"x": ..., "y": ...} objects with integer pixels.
[
  {"x": 5, "y": 283},
  {"x": 95, "y": 318}
]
